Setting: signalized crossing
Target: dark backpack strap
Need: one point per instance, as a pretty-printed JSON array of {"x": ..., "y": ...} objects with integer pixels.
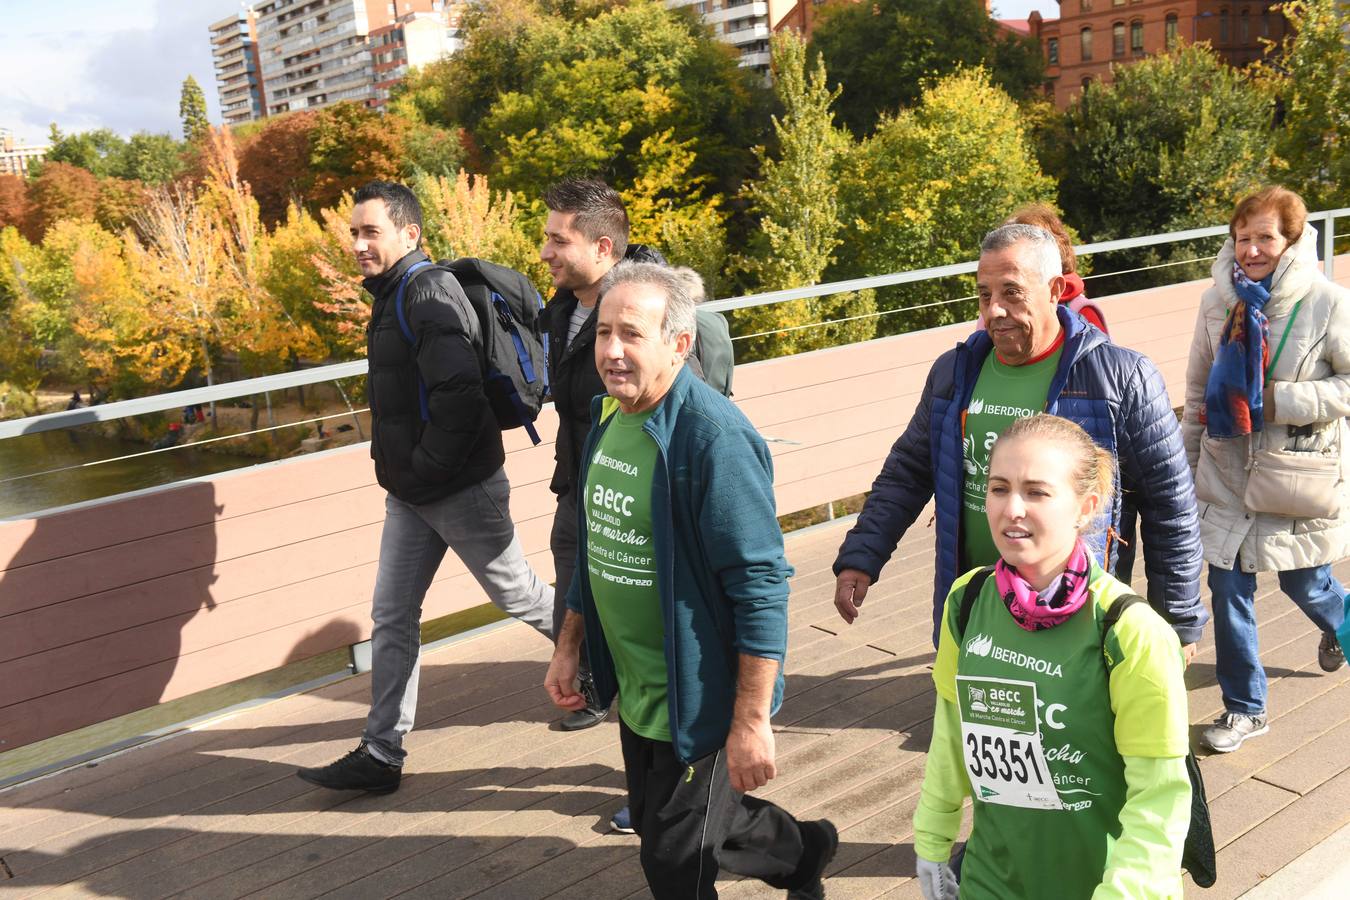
[
  {"x": 1197, "y": 853},
  {"x": 422, "y": 403},
  {"x": 1117, "y": 609},
  {"x": 969, "y": 595}
]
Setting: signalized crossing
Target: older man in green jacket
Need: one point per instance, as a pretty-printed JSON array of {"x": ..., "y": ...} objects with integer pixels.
[{"x": 684, "y": 603}]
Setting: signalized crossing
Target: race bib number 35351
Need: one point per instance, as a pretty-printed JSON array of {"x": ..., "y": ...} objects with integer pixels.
[{"x": 1001, "y": 743}]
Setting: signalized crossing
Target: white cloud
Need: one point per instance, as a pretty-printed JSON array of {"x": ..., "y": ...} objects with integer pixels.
[{"x": 121, "y": 68}]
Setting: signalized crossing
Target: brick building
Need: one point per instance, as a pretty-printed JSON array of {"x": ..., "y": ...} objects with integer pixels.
[{"x": 1090, "y": 36}]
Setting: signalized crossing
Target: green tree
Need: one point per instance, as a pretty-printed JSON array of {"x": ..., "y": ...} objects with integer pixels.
[
  {"x": 151, "y": 158},
  {"x": 192, "y": 110},
  {"x": 881, "y": 53},
  {"x": 1170, "y": 144},
  {"x": 100, "y": 151},
  {"x": 796, "y": 200},
  {"x": 925, "y": 188},
  {"x": 546, "y": 93},
  {"x": 1310, "y": 80}
]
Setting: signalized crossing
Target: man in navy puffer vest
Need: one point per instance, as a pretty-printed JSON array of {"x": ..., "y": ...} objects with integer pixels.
[{"x": 1116, "y": 394}]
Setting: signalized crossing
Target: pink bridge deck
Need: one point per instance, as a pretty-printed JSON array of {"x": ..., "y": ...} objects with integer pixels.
[{"x": 499, "y": 804}]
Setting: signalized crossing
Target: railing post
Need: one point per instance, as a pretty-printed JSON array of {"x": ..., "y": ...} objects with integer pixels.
[{"x": 1329, "y": 246}]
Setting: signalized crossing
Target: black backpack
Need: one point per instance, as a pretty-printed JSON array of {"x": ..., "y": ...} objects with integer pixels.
[
  {"x": 515, "y": 376},
  {"x": 1197, "y": 855}
]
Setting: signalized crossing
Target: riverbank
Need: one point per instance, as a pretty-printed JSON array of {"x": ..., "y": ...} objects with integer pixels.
[{"x": 294, "y": 422}]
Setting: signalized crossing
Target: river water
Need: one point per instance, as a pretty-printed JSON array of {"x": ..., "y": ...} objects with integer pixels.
[{"x": 24, "y": 490}]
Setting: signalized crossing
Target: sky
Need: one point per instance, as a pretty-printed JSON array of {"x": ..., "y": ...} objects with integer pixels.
[
  {"x": 116, "y": 64},
  {"x": 120, "y": 64}
]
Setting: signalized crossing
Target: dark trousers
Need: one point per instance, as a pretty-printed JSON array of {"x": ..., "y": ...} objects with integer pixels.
[{"x": 693, "y": 823}]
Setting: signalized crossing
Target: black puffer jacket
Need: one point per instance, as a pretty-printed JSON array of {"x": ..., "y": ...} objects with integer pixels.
[
  {"x": 461, "y": 444},
  {"x": 572, "y": 376}
]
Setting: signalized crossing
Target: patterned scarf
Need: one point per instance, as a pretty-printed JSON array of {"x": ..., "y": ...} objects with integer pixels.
[
  {"x": 1233, "y": 394},
  {"x": 1037, "y": 610}
]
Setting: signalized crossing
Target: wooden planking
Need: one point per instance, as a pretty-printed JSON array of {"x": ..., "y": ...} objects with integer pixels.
[{"x": 496, "y": 802}]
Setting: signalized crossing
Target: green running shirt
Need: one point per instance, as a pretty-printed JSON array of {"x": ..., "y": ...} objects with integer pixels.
[
  {"x": 621, "y": 564},
  {"x": 1003, "y": 393}
]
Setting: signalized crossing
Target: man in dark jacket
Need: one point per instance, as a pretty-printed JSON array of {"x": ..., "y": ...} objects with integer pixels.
[
  {"x": 1045, "y": 358},
  {"x": 438, "y": 452},
  {"x": 585, "y": 235},
  {"x": 682, "y": 590}
]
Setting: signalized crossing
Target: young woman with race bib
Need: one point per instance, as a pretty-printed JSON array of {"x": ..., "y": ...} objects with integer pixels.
[{"x": 1066, "y": 724}]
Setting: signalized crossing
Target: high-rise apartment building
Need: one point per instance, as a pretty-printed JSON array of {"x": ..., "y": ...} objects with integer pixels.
[
  {"x": 745, "y": 24},
  {"x": 16, "y": 156},
  {"x": 318, "y": 52},
  {"x": 1090, "y": 37},
  {"x": 413, "y": 40},
  {"x": 234, "y": 48}
]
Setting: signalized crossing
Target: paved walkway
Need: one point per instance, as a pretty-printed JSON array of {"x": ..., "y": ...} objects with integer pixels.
[{"x": 498, "y": 804}]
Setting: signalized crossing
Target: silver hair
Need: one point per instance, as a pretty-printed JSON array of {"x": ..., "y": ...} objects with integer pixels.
[
  {"x": 1042, "y": 241},
  {"x": 681, "y": 312},
  {"x": 693, "y": 282}
]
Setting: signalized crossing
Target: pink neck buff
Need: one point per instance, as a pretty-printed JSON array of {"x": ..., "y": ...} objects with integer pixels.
[{"x": 1062, "y": 599}]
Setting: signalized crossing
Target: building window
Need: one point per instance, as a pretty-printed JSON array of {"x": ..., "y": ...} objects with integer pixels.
[
  {"x": 1052, "y": 51},
  {"x": 1086, "y": 81},
  {"x": 1244, "y": 28},
  {"x": 1085, "y": 5},
  {"x": 1117, "y": 2},
  {"x": 1118, "y": 39},
  {"x": 1170, "y": 30},
  {"x": 1224, "y": 27},
  {"x": 1137, "y": 37},
  {"x": 1085, "y": 42}
]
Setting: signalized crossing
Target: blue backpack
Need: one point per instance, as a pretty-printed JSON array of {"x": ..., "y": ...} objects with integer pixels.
[{"x": 513, "y": 348}]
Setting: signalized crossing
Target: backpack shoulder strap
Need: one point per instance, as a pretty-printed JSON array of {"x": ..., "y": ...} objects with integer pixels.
[
  {"x": 399, "y": 310},
  {"x": 969, "y": 595},
  {"x": 1117, "y": 609}
]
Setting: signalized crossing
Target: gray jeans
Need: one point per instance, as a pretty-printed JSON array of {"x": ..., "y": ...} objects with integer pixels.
[{"x": 476, "y": 524}]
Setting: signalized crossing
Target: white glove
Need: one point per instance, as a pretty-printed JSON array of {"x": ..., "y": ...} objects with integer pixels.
[{"x": 936, "y": 880}]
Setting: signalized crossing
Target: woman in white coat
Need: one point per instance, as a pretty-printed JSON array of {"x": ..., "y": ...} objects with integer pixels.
[{"x": 1267, "y": 390}]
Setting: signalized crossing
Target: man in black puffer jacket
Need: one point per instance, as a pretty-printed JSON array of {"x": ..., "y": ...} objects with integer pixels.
[
  {"x": 438, "y": 452},
  {"x": 585, "y": 236}
]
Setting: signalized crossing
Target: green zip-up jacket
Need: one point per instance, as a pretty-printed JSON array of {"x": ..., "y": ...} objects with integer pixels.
[{"x": 721, "y": 569}]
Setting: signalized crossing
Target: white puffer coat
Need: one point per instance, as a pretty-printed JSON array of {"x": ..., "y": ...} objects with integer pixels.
[{"x": 1311, "y": 382}]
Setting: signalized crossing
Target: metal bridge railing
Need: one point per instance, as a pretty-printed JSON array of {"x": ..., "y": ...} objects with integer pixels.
[{"x": 249, "y": 387}]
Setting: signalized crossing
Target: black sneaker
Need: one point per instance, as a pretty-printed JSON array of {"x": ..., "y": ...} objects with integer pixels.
[
  {"x": 824, "y": 837},
  {"x": 357, "y": 771},
  {"x": 591, "y": 714},
  {"x": 1330, "y": 656}
]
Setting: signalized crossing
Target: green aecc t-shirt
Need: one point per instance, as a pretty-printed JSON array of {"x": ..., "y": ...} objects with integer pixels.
[{"x": 621, "y": 564}]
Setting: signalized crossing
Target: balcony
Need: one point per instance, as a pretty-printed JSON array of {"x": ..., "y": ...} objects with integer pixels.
[
  {"x": 756, "y": 10},
  {"x": 758, "y": 32}
]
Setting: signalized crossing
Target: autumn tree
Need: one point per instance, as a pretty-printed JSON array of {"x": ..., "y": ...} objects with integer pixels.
[
  {"x": 882, "y": 53},
  {"x": 20, "y": 349},
  {"x": 192, "y": 110},
  {"x": 351, "y": 145},
  {"x": 796, "y": 199},
  {"x": 465, "y": 217},
  {"x": 62, "y": 191},
  {"x": 926, "y": 186},
  {"x": 13, "y": 202},
  {"x": 178, "y": 261},
  {"x": 275, "y": 163}
]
